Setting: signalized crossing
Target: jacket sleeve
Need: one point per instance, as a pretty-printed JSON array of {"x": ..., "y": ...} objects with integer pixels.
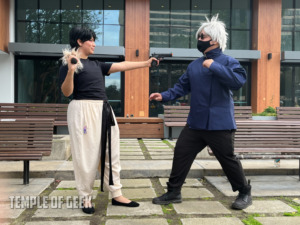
[
  {"x": 181, "y": 88},
  {"x": 232, "y": 76}
]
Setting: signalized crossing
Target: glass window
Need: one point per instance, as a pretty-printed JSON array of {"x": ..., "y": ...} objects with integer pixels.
[
  {"x": 174, "y": 23},
  {"x": 43, "y": 72},
  {"x": 222, "y": 7},
  {"x": 290, "y": 25},
  {"x": 241, "y": 15},
  {"x": 93, "y": 11},
  {"x": 159, "y": 37},
  {"x": 199, "y": 9},
  {"x": 51, "y": 21},
  {"x": 113, "y": 35},
  {"x": 286, "y": 41},
  {"x": 49, "y": 33},
  {"x": 71, "y": 11},
  {"x": 180, "y": 13},
  {"x": 114, "y": 12},
  {"x": 240, "y": 39},
  {"x": 289, "y": 85},
  {"x": 27, "y": 10},
  {"x": 180, "y": 37},
  {"x": 28, "y": 32},
  {"x": 49, "y": 10},
  {"x": 113, "y": 90},
  {"x": 297, "y": 41}
]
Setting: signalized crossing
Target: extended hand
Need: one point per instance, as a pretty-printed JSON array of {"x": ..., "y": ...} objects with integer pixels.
[
  {"x": 207, "y": 63},
  {"x": 155, "y": 96},
  {"x": 152, "y": 59}
]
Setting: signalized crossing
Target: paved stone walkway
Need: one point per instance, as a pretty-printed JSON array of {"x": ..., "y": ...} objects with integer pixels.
[{"x": 207, "y": 200}]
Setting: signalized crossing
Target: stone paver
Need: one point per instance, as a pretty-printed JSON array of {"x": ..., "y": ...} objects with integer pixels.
[
  {"x": 262, "y": 185},
  {"x": 72, "y": 184},
  {"x": 163, "y": 145},
  {"x": 160, "y": 150},
  {"x": 129, "y": 147},
  {"x": 64, "y": 212},
  {"x": 137, "y": 222},
  {"x": 162, "y": 157},
  {"x": 69, "y": 222},
  {"x": 132, "y": 154},
  {"x": 158, "y": 147},
  {"x": 191, "y": 211},
  {"x": 212, "y": 221},
  {"x": 130, "y": 150},
  {"x": 9, "y": 211},
  {"x": 136, "y": 183},
  {"x": 268, "y": 206},
  {"x": 66, "y": 193},
  {"x": 35, "y": 187},
  {"x": 145, "y": 209},
  {"x": 195, "y": 193},
  {"x": 161, "y": 153},
  {"x": 297, "y": 201},
  {"x": 278, "y": 220},
  {"x": 138, "y": 193},
  {"x": 131, "y": 157},
  {"x": 188, "y": 182},
  {"x": 201, "y": 207}
]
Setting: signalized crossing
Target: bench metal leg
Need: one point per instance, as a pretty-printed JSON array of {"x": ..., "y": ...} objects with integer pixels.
[
  {"x": 170, "y": 133},
  {"x": 26, "y": 172}
]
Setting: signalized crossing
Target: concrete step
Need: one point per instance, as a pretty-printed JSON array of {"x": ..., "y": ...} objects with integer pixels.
[{"x": 60, "y": 169}]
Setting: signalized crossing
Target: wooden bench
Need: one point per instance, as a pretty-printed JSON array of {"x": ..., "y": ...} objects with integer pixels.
[
  {"x": 267, "y": 140},
  {"x": 58, "y": 112},
  {"x": 25, "y": 139},
  {"x": 141, "y": 127},
  {"x": 288, "y": 113},
  {"x": 176, "y": 116}
]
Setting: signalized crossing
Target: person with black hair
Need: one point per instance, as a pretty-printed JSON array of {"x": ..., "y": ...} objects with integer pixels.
[{"x": 91, "y": 121}]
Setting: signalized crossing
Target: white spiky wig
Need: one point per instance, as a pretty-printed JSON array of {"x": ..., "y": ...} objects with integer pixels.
[{"x": 215, "y": 29}]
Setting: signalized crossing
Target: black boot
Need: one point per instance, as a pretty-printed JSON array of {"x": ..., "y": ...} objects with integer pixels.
[
  {"x": 244, "y": 198},
  {"x": 167, "y": 198}
]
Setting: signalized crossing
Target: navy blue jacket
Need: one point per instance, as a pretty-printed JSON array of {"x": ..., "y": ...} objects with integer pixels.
[{"x": 212, "y": 105}]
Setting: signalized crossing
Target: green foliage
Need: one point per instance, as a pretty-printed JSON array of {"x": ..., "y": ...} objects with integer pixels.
[
  {"x": 270, "y": 111},
  {"x": 168, "y": 209},
  {"x": 297, "y": 207},
  {"x": 251, "y": 221}
]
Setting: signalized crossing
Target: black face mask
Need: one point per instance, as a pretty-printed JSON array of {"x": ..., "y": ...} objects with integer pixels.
[{"x": 203, "y": 45}]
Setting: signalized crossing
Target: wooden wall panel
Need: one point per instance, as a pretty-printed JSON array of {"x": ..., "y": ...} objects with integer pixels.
[
  {"x": 266, "y": 37},
  {"x": 4, "y": 25},
  {"x": 137, "y": 38}
]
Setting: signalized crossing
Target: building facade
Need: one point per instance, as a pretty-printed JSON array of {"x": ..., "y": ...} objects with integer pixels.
[{"x": 263, "y": 35}]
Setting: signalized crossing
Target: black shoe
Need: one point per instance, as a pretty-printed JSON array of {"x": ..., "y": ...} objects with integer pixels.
[
  {"x": 130, "y": 204},
  {"x": 167, "y": 198},
  {"x": 244, "y": 198},
  {"x": 88, "y": 210}
]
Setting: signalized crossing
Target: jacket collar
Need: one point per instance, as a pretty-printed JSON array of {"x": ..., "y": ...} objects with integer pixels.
[{"x": 213, "y": 53}]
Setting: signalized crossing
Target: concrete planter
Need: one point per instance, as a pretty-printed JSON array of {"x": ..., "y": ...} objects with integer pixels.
[{"x": 264, "y": 118}]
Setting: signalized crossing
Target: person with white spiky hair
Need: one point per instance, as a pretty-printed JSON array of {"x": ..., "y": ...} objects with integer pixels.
[
  {"x": 210, "y": 80},
  {"x": 216, "y": 30}
]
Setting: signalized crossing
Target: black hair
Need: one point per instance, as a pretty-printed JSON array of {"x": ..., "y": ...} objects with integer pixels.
[{"x": 82, "y": 33}]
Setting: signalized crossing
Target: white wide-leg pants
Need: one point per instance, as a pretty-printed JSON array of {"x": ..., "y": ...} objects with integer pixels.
[{"x": 84, "y": 123}]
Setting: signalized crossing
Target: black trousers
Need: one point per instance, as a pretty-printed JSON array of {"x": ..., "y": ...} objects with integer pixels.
[{"x": 191, "y": 142}]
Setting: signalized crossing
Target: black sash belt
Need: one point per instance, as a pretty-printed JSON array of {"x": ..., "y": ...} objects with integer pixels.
[{"x": 107, "y": 122}]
